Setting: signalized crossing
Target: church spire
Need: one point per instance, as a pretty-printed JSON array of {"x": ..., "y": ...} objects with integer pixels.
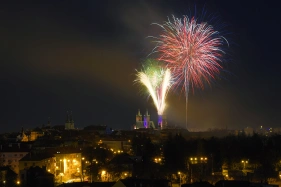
[
  {"x": 71, "y": 118},
  {"x": 146, "y": 113}
]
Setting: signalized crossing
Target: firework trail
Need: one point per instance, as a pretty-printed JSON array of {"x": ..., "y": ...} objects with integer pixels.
[
  {"x": 191, "y": 50},
  {"x": 157, "y": 82}
]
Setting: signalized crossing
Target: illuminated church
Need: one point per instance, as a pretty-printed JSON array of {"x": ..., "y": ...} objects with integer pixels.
[{"x": 143, "y": 121}]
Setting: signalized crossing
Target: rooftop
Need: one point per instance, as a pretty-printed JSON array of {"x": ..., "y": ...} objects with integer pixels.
[{"x": 36, "y": 157}]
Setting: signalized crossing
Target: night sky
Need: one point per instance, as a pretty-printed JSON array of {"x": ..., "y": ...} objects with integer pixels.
[{"x": 81, "y": 56}]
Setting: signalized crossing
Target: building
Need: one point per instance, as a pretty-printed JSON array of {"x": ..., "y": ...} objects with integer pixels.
[
  {"x": 22, "y": 137},
  {"x": 68, "y": 165},
  {"x": 35, "y": 134},
  {"x": 69, "y": 122},
  {"x": 12, "y": 153},
  {"x": 45, "y": 161},
  {"x": 143, "y": 121},
  {"x": 117, "y": 145}
]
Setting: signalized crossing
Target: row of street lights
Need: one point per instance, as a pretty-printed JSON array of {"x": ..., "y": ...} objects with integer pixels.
[{"x": 195, "y": 160}]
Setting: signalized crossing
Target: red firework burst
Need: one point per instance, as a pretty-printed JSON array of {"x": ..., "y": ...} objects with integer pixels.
[{"x": 191, "y": 50}]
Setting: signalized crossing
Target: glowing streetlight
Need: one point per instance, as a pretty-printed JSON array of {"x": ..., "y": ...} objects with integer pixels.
[
  {"x": 103, "y": 172},
  {"x": 180, "y": 177},
  {"x": 60, "y": 164},
  {"x": 61, "y": 174},
  {"x": 244, "y": 163}
]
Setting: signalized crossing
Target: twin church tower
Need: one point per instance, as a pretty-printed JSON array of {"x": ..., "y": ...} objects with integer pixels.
[{"x": 143, "y": 121}]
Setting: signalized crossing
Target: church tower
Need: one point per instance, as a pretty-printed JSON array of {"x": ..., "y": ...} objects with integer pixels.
[
  {"x": 146, "y": 120},
  {"x": 138, "y": 116},
  {"x": 69, "y": 123},
  {"x": 162, "y": 122}
]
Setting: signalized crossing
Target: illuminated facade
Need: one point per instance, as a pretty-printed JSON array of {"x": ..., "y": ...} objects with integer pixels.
[
  {"x": 34, "y": 135},
  {"x": 68, "y": 166},
  {"x": 143, "y": 121},
  {"x": 22, "y": 137}
]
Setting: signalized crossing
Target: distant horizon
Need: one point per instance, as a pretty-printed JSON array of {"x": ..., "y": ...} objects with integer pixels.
[{"x": 190, "y": 129}]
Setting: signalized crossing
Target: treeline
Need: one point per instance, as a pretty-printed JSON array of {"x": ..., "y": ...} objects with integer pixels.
[{"x": 262, "y": 153}]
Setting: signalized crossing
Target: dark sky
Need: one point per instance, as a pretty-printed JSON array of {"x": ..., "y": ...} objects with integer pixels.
[{"x": 81, "y": 56}]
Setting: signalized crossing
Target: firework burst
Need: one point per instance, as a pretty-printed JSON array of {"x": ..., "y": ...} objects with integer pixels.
[
  {"x": 157, "y": 82},
  {"x": 191, "y": 50}
]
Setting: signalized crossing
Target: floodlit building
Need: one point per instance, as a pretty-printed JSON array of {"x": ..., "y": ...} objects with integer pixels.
[
  {"x": 143, "y": 121},
  {"x": 34, "y": 135},
  {"x": 68, "y": 165}
]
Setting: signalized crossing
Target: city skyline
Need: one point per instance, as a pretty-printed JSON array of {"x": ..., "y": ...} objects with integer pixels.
[{"x": 82, "y": 56}]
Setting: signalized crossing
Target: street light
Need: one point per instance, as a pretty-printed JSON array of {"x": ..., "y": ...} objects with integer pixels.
[
  {"x": 103, "y": 173},
  {"x": 61, "y": 174},
  {"x": 180, "y": 177},
  {"x": 244, "y": 163},
  {"x": 60, "y": 164}
]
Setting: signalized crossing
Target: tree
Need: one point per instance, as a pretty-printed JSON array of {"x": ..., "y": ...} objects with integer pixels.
[
  {"x": 142, "y": 146},
  {"x": 175, "y": 153}
]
